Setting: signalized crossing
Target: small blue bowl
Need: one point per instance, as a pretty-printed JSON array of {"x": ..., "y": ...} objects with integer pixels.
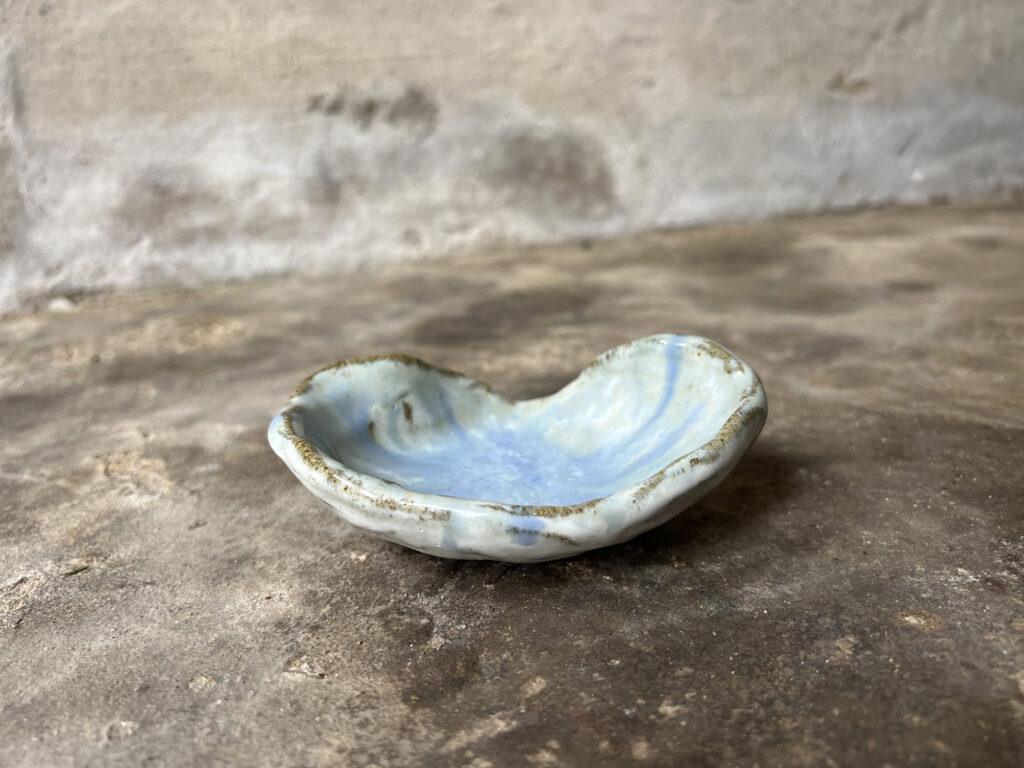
[{"x": 442, "y": 463}]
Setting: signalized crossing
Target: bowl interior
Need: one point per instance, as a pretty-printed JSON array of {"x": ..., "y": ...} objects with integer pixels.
[{"x": 626, "y": 417}]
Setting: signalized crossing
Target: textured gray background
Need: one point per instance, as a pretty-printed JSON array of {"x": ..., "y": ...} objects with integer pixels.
[
  {"x": 145, "y": 142},
  {"x": 852, "y": 595}
]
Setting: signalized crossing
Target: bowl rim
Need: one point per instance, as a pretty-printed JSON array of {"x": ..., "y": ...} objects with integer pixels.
[{"x": 335, "y": 478}]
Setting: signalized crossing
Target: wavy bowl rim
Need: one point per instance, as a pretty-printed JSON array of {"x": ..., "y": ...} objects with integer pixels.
[{"x": 735, "y": 435}]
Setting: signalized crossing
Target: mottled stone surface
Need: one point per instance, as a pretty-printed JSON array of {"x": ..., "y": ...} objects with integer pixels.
[
  {"x": 173, "y": 143},
  {"x": 852, "y": 595}
]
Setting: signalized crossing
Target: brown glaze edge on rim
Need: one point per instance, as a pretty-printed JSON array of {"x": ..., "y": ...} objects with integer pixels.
[{"x": 707, "y": 453}]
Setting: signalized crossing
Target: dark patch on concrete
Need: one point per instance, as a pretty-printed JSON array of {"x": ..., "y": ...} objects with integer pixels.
[
  {"x": 439, "y": 676},
  {"x": 266, "y": 223},
  {"x": 825, "y": 348},
  {"x": 405, "y": 287},
  {"x": 852, "y": 376},
  {"x": 336, "y": 177},
  {"x": 328, "y": 103},
  {"x": 791, "y": 296},
  {"x": 551, "y": 174},
  {"x": 20, "y": 498},
  {"x": 363, "y": 111},
  {"x": 970, "y": 458},
  {"x": 414, "y": 111},
  {"x": 848, "y": 86},
  {"x": 13, "y": 98},
  {"x": 13, "y": 212},
  {"x": 407, "y": 411},
  {"x": 507, "y": 313},
  {"x": 527, "y": 387},
  {"x": 173, "y": 205},
  {"x": 12, "y": 206},
  {"x": 733, "y": 253},
  {"x": 799, "y": 347},
  {"x": 409, "y": 108},
  {"x": 982, "y": 242},
  {"x": 188, "y": 368},
  {"x": 910, "y": 286},
  {"x": 19, "y": 411},
  {"x": 411, "y": 236},
  {"x": 911, "y": 18}
]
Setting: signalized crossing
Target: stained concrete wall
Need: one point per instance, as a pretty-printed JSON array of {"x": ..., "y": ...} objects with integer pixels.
[{"x": 146, "y": 143}]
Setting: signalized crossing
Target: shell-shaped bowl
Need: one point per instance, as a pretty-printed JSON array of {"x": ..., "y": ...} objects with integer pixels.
[{"x": 439, "y": 462}]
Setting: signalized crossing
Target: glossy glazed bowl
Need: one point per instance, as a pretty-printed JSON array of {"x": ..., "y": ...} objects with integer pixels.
[{"x": 441, "y": 463}]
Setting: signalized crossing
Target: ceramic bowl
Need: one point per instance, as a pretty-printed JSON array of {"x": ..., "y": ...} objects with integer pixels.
[{"x": 442, "y": 463}]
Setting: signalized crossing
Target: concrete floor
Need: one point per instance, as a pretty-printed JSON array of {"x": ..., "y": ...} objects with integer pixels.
[{"x": 852, "y": 595}]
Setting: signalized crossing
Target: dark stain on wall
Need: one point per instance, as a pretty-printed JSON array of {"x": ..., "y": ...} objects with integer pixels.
[
  {"x": 551, "y": 174},
  {"x": 840, "y": 84},
  {"x": 414, "y": 111},
  {"x": 363, "y": 111},
  {"x": 335, "y": 179},
  {"x": 409, "y": 108},
  {"x": 12, "y": 204},
  {"x": 176, "y": 206},
  {"x": 173, "y": 205}
]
